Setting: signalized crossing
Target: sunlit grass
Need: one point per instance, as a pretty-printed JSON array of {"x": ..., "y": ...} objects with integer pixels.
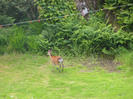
[{"x": 33, "y": 77}]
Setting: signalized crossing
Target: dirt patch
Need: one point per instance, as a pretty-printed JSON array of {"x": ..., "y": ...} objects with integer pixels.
[
  {"x": 1, "y": 71},
  {"x": 2, "y": 68},
  {"x": 107, "y": 64},
  {"x": 5, "y": 67}
]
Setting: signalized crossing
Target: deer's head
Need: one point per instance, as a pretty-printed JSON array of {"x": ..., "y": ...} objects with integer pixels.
[{"x": 49, "y": 52}]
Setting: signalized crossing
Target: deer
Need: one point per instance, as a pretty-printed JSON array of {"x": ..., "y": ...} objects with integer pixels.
[{"x": 56, "y": 60}]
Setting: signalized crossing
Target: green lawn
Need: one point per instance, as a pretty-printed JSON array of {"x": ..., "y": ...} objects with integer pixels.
[{"x": 33, "y": 77}]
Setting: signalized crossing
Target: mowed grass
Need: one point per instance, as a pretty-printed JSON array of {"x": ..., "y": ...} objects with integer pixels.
[{"x": 33, "y": 77}]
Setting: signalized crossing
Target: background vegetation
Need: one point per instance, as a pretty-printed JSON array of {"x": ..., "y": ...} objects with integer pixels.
[{"x": 105, "y": 32}]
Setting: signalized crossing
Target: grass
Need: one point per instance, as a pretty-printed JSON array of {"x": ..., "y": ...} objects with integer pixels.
[{"x": 33, "y": 77}]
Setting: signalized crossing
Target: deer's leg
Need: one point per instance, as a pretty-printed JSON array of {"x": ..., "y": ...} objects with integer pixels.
[
  {"x": 62, "y": 67},
  {"x": 56, "y": 66},
  {"x": 59, "y": 67}
]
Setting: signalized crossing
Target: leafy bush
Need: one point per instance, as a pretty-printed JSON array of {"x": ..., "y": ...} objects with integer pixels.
[
  {"x": 55, "y": 8},
  {"x": 33, "y": 28},
  {"x": 122, "y": 10},
  {"x": 94, "y": 36},
  {"x": 4, "y": 38},
  {"x": 72, "y": 35},
  {"x": 4, "y": 19},
  {"x": 22, "y": 39},
  {"x": 17, "y": 41}
]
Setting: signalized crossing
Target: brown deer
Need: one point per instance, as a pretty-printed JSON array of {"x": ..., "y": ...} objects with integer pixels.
[{"x": 56, "y": 60}]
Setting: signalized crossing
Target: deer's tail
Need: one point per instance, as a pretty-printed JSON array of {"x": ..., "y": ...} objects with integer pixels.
[{"x": 60, "y": 60}]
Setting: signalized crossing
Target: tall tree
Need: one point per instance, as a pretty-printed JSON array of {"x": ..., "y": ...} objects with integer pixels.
[
  {"x": 18, "y": 10},
  {"x": 84, "y": 6}
]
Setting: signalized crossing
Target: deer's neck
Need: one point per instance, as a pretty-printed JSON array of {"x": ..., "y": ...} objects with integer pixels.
[{"x": 50, "y": 55}]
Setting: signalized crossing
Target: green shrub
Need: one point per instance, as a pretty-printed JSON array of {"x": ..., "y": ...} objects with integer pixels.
[
  {"x": 32, "y": 45},
  {"x": 4, "y": 19},
  {"x": 17, "y": 41},
  {"x": 75, "y": 37},
  {"x": 34, "y": 28},
  {"x": 71, "y": 36},
  {"x": 5, "y": 33},
  {"x": 122, "y": 10},
  {"x": 37, "y": 44}
]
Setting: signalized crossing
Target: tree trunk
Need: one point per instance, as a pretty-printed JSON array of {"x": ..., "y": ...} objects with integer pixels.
[{"x": 84, "y": 6}]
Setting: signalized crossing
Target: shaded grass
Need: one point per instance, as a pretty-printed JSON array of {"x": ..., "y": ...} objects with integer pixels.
[
  {"x": 33, "y": 77},
  {"x": 126, "y": 58}
]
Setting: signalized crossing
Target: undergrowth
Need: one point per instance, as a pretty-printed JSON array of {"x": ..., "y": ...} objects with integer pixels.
[{"x": 69, "y": 37}]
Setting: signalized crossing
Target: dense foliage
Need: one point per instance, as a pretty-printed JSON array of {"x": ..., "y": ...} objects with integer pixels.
[
  {"x": 69, "y": 35},
  {"x": 17, "y": 10},
  {"x": 123, "y": 12}
]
